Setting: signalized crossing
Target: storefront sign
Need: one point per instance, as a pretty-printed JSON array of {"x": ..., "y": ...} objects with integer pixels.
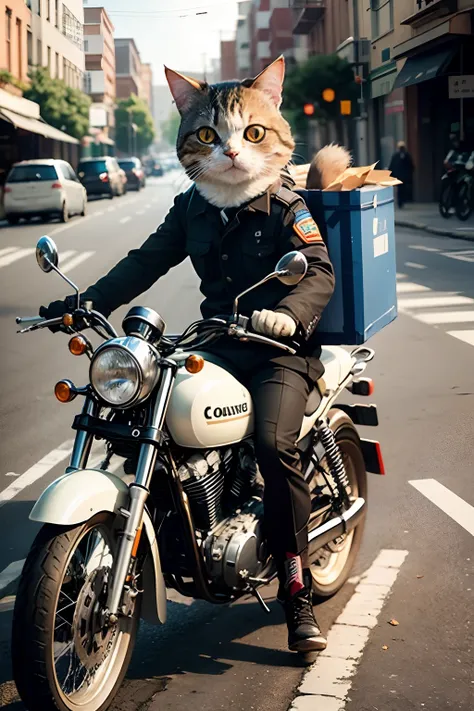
[{"x": 461, "y": 87}]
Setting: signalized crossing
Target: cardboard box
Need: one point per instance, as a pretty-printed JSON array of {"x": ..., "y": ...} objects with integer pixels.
[{"x": 359, "y": 230}]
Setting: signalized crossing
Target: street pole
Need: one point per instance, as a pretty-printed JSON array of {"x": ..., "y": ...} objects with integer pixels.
[{"x": 361, "y": 120}]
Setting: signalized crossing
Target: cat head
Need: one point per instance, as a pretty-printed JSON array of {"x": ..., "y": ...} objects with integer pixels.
[{"x": 233, "y": 141}]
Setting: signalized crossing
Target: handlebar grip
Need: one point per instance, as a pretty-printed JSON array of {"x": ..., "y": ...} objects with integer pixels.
[{"x": 29, "y": 320}]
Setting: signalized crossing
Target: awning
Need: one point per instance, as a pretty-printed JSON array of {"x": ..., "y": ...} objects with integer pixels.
[
  {"x": 36, "y": 126},
  {"x": 422, "y": 67}
]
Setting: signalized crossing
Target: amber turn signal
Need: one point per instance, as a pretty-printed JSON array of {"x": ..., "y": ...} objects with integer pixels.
[
  {"x": 64, "y": 391},
  {"x": 194, "y": 364},
  {"x": 68, "y": 320},
  {"x": 77, "y": 345}
]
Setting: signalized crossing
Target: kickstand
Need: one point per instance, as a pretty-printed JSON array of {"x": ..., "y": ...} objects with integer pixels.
[{"x": 254, "y": 591}]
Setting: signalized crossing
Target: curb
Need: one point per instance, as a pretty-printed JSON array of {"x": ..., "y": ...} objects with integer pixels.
[{"x": 440, "y": 231}]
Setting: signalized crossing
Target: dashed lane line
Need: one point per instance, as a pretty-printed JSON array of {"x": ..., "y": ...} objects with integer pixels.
[
  {"x": 434, "y": 301},
  {"x": 14, "y": 256},
  {"x": 437, "y": 318},
  {"x": 125, "y": 219},
  {"x": 446, "y": 500},
  {"x": 409, "y": 287},
  {"x": 75, "y": 261},
  {"x": 415, "y": 265},
  {"x": 465, "y": 336},
  {"x": 327, "y": 683}
]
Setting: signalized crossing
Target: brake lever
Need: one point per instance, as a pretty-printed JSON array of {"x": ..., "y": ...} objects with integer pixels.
[{"x": 41, "y": 324}]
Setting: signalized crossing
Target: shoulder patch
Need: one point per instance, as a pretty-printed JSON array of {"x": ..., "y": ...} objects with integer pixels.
[{"x": 305, "y": 227}]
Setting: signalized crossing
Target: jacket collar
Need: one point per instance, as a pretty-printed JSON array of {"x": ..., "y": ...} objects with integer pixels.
[{"x": 262, "y": 203}]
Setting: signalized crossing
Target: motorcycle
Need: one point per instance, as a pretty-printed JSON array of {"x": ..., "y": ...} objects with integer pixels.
[
  {"x": 451, "y": 181},
  {"x": 187, "y": 512},
  {"x": 465, "y": 193}
]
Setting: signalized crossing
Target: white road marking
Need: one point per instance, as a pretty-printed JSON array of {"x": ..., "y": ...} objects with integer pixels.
[
  {"x": 327, "y": 683},
  {"x": 110, "y": 209},
  {"x": 7, "y": 250},
  {"x": 466, "y": 336},
  {"x": 16, "y": 255},
  {"x": 7, "y": 604},
  {"x": 465, "y": 255},
  {"x": 401, "y": 276},
  {"x": 125, "y": 219},
  {"x": 11, "y": 573},
  {"x": 439, "y": 317},
  {"x": 147, "y": 205},
  {"x": 75, "y": 261},
  {"x": 140, "y": 212},
  {"x": 409, "y": 287},
  {"x": 422, "y": 248},
  {"x": 446, "y": 500},
  {"x": 35, "y": 472},
  {"x": 74, "y": 223},
  {"x": 438, "y": 301},
  {"x": 65, "y": 256},
  {"x": 98, "y": 213},
  {"x": 415, "y": 265}
]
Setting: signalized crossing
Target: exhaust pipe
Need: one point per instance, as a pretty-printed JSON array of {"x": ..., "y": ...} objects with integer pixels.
[{"x": 335, "y": 527}]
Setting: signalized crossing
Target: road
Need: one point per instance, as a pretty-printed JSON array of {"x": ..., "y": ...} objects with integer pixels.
[{"x": 415, "y": 566}]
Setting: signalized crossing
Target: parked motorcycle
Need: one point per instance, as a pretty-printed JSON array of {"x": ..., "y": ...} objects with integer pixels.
[
  {"x": 451, "y": 182},
  {"x": 465, "y": 192},
  {"x": 188, "y": 515}
]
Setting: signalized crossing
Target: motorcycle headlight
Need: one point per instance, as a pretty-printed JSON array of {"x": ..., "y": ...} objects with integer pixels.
[{"x": 124, "y": 371}]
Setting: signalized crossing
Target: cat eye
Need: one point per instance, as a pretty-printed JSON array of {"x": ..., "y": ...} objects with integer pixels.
[
  {"x": 207, "y": 135},
  {"x": 254, "y": 133}
]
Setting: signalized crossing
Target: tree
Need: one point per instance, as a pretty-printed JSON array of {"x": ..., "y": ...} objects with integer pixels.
[
  {"x": 306, "y": 83},
  {"x": 130, "y": 112},
  {"x": 170, "y": 128},
  {"x": 61, "y": 106}
]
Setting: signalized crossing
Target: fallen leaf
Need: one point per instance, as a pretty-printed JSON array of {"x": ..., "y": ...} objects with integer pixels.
[
  {"x": 394, "y": 623},
  {"x": 384, "y": 647}
]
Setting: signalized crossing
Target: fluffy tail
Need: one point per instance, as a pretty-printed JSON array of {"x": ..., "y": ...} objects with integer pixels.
[{"x": 327, "y": 165}]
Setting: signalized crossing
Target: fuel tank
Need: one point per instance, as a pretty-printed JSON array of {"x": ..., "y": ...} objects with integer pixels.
[{"x": 209, "y": 409}]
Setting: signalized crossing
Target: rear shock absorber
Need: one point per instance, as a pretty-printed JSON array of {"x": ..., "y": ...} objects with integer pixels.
[{"x": 334, "y": 459}]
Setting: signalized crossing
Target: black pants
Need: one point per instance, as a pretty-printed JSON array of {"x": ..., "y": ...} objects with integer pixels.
[{"x": 280, "y": 394}]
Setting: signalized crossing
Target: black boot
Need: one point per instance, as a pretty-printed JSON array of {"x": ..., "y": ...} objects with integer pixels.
[{"x": 304, "y": 634}]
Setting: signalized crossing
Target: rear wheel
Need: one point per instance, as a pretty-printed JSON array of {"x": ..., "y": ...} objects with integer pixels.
[
  {"x": 65, "y": 658},
  {"x": 84, "y": 208},
  {"x": 332, "y": 564}
]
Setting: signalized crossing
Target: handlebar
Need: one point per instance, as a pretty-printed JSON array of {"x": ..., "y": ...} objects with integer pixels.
[{"x": 29, "y": 320}]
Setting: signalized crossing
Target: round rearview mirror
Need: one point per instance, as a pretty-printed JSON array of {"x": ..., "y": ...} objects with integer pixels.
[
  {"x": 291, "y": 268},
  {"x": 46, "y": 254}
]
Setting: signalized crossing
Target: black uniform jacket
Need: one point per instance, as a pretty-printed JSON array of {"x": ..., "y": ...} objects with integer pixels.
[{"x": 230, "y": 252}]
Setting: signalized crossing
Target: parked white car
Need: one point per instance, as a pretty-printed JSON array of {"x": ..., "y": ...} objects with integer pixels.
[{"x": 44, "y": 188}]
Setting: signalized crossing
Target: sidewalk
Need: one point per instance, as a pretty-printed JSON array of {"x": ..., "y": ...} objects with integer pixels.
[{"x": 425, "y": 216}]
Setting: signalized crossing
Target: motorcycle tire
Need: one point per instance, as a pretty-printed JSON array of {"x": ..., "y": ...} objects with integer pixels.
[
  {"x": 446, "y": 201},
  {"x": 36, "y": 638},
  {"x": 464, "y": 203},
  {"x": 331, "y": 570}
]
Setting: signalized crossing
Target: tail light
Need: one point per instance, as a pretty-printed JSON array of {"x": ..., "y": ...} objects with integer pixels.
[
  {"x": 136, "y": 172},
  {"x": 7, "y": 190},
  {"x": 57, "y": 185},
  {"x": 104, "y": 177}
]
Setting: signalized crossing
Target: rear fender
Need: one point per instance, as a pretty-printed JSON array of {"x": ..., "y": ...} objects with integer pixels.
[{"x": 81, "y": 494}]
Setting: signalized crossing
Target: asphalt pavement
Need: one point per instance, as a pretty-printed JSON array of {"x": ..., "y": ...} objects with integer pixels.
[{"x": 415, "y": 568}]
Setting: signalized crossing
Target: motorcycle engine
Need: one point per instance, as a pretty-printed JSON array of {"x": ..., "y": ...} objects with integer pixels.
[{"x": 224, "y": 492}]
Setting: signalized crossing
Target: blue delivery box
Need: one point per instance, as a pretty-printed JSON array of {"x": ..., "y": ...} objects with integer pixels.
[{"x": 359, "y": 231}]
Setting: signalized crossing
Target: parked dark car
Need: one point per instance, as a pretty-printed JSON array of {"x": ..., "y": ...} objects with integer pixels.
[
  {"x": 157, "y": 169},
  {"x": 101, "y": 176},
  {"x": 134, "y": 171}
]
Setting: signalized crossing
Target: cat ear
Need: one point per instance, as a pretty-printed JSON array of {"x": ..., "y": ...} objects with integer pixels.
[
  {"x": 270, "y": 80},
  {"x": 182, "y": 87}
]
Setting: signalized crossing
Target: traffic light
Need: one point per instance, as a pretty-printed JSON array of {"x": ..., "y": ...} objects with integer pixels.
[
  {"x": 329, "y": 95},
  {"x": 308, "y": 109},
  {"x": 346, "y": 107}
]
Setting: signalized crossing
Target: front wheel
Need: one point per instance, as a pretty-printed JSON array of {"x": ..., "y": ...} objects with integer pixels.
[
  {"x": 332, "y": 564},
  {"x": 65, "y": 658},
  {"x": 64, "y": 217},
  {"x": 446, "y": 199},
  {"x": 464, "y": 202}
]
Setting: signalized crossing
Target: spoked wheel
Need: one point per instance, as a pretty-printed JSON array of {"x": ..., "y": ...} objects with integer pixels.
[
  {"x": 464, "y": 202},
  {"x": 64, "y": 655},
  {"x": 446, "y": 200},
  {"x": 332, "y": 564}
]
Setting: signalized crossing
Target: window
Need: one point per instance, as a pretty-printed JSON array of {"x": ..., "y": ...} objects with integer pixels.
[
  {"x": 29, "y": 47},
  {"x": 57, "y": 66},
  {"x": 71, "y": 27},
  {"x": 48, "y": 59},
  {"x": 39, "y": 53},
  {"x": 48, "y": 9},
  {"x": 86, "y": 45},
  {"x": 32, "y": 173},
  {"x": 20, "y": 48},
  {"x": 56, "y": 13},
  {"x": 381, "y": 17},
  {"x": 8, "y": 21}
]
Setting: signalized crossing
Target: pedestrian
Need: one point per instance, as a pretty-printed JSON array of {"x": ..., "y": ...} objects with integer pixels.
[
  {"x": 239, "y": 217},
  {"x": 402, "y": 168}
]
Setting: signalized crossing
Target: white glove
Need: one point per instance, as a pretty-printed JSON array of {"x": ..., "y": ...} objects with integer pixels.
[{"x": 273, "y": 324}]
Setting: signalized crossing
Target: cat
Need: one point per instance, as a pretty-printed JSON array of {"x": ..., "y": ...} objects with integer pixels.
[{"x": 233, "y": 141}]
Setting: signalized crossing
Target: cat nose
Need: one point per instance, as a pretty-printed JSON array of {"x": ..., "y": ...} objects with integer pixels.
[{"x": 231, "y": 154}]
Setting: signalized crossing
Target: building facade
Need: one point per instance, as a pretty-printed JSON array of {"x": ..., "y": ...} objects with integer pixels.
[
  {"x": 15, "y": 27},
  {"x": 326, "y": 23},
  {"x": 242, "y": 40},
  {"x": 99, "y": 77},
  {"x": 128, "y": 68},
  {"x": 146, "y": 85},
  {"x": 228, "y": 60},
  {"x": 56, "y": 39}
]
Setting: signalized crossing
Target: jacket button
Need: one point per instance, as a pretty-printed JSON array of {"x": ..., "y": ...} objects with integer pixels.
[
  {"x": 258, "y": 241},
  {"x": 225, "y": 257},
  {"x": 229, "y": 279}
]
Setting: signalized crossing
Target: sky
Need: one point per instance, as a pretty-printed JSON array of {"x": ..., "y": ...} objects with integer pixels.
[{"x": 169, "y": 32}]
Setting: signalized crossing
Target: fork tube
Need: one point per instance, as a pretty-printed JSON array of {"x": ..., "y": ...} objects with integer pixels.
[
  {"x": 139, "y": 494},
  {"x": 83, "y": 441}
]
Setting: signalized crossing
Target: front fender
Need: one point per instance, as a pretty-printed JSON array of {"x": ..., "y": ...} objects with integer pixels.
[{"x": 77, "y": 496}]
